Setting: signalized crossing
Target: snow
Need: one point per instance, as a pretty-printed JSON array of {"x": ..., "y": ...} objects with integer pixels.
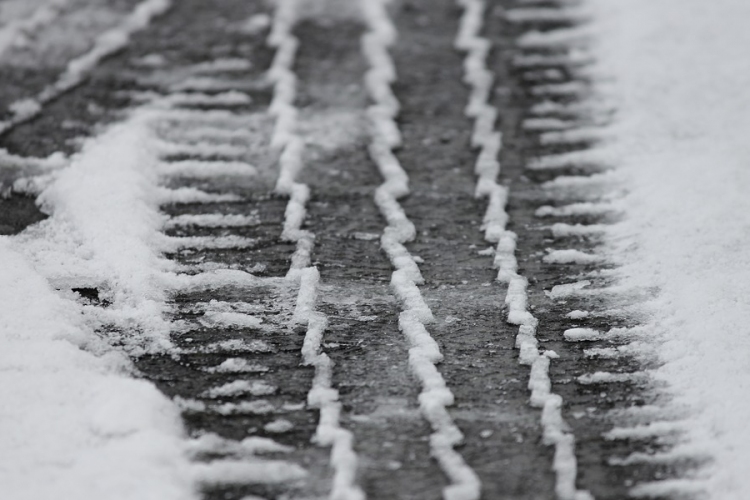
[
  {"x": 570, "y": 256},
  {"x": 77, "y": 69},
  {"x": 489, "y": 142},
  {"x": 278, "y": 426},
  {"x": 104, "y": 230},
  {"x": 322, "y": 395},
  {"x": 678, "y": 74},
  {"x": 562, "y": 230},
  {"x": 230, "y": 319},
  {"x": 213, "y": 220},
  {"x": 423, "y": 351},
  {"x": 538, "y": 14},
  {"x": 14, "y": 31},
  {"x": 238, "y": 345},
  {"x": 647, "y": 431},
  {"x": 237, "y": 365},
  {"x": 576, "y": 209},
  {"x": 206, "y": 169},
  {"x": 193, "y": 195},
  {"x": 74, "y": 423},
  {"x": 230, "y": 471},
  {"x": 241, "y": 387},
  {"x": 177, "y": 243}
]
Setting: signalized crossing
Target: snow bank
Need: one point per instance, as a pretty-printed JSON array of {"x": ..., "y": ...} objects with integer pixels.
[
  {"x": 679, "y": 75},
  {"x": 74, "y": 425},
  {"x": 104, "y": 231}
]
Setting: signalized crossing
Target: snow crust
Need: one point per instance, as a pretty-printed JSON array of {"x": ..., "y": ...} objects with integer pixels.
[{"x": 678, "y": 74}]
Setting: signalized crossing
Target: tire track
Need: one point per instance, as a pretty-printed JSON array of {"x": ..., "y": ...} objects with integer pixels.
[
  {"x": 322, "y": 395},
  {"x": 378, "y": 396},
  {"x": 424, "y": 352},
  {"x": 559, "y": 213}
]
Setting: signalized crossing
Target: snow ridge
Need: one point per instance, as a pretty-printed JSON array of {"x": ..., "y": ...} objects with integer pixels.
[
  {"x": 105, "y": 45},
  {"x": 424, "y": 352},
  {"x": 489, "y": 142},
  {"x": 321, "y": 395},
  {"x": 285, "y": 137}
]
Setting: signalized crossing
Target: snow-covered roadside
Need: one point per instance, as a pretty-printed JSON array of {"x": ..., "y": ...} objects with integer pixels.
[
  {"x": 678, "y": 74},
  {"x": 73, "y": 421},
  {"x": 104, "y": 232},
  {"x": 74, "y": 425}
]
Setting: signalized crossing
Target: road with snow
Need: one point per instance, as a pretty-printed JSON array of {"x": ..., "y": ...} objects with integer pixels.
[{"x": 408, "y": 249}]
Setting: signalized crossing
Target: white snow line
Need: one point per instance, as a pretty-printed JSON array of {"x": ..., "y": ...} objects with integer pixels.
[
  {"x": 194, "y": 195},
  {"x": 487, "y": 168},
  {"x": 570, "y": 256},
  {"x": 554, "y": 39},
  {"x": 669, "y": 488},
  {"x": 223, "y": 99},
  {"x": 589, "y": 158},
  {"x": 424, "y": 352},
  {"x": 216, "y": 84},
  {"x": 207, "y": 133},
  {"x": 603, "y": 179},
  {"x": 219, "y": 278},
  {"x": 225, "y": 65},
  {"x": 234, "y": 345},
  {"x": 572, "y": 136},
  {"x": 42, "y": 16},
  {"x": 241, "y": 387},
  {"x": 563, "y": 230},
  {"x": 647, "y": 431},
  {"x": 237, "y": 365},
  {"x": 206, "y": 169},
  {"x": 546, "y": 15},
  {"x": 257, "y": 471},
  {"x": 32, "y": 165},
  {"x": 285, "y": 136},
  {"x": 201, "y": 150},
  {"x": 591, "y": 334},
  {"x": 212, "y": 220},
  {"x": 229, "y": 98},
  {"x": 322, "y": 395},
  {"x": 76, "y": 70},
  {"x": 611, "y": 378},
  {"x": 611, "y": 352},
  {"x": 176, "y": 243},
  {"x": 213, "y": 444},
  {"x": 573, "y": 60},
  {"x": 681, "y": 453},
  {"x": 228, "y": 319},
  {"x": 592, "y": 110},
  {"x": 546, "y": 124},
  {"x": 578, "y": 209},
  {"x": 214, "y": 117}
]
